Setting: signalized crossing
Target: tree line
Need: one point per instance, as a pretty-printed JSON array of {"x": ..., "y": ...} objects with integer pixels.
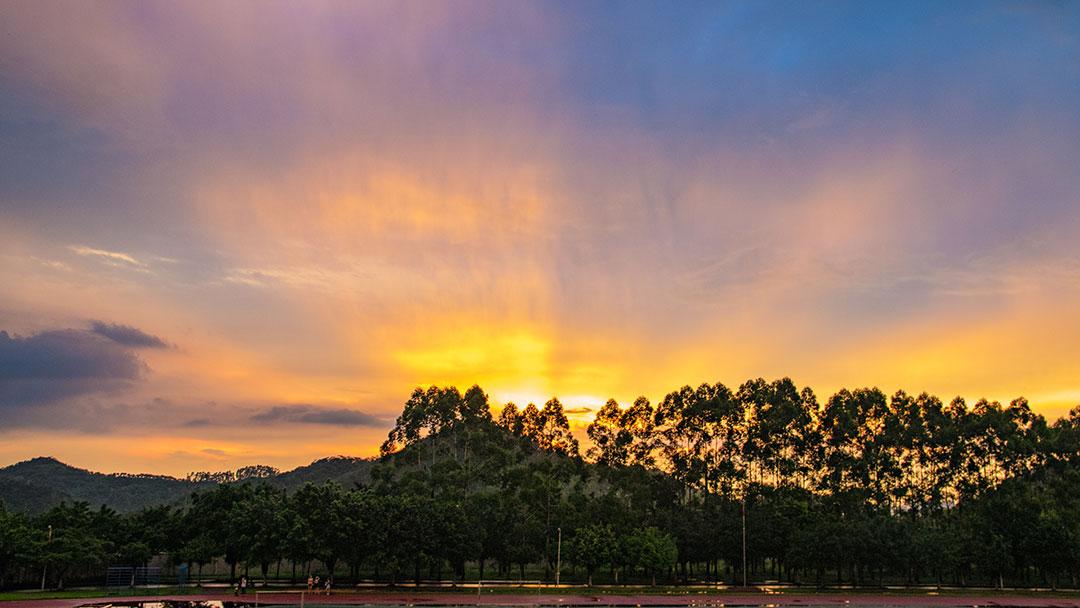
[{"x": 862, "y": 489}]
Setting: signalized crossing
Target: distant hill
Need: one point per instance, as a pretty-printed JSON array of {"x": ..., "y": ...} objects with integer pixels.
[
  {"x": 36, "y": 485},
  {"x": 345, "y": 470},
  {"x": 18, "y": 495}
]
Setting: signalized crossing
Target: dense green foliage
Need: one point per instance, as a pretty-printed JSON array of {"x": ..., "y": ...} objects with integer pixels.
[{"x": 865, "y": 489}]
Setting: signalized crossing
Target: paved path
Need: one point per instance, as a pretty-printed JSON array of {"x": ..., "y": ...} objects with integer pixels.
[{"x": 584, "y": 599}]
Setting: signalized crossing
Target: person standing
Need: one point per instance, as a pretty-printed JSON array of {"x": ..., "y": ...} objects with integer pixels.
[
  {"x": 310, "y": 582},
  {"x": 328, "y": 580}
]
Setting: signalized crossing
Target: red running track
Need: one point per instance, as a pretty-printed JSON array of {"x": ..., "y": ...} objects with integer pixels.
[{"x": 578, "y": 599}]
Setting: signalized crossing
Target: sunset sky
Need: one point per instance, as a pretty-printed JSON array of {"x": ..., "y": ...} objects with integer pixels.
[{"x": 238, "y": 233}]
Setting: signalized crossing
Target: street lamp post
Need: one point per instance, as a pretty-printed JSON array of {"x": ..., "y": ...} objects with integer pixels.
[
  {"x": 45, "y": 566},
  {"x": 558, "y": 558},
  {"x": 744, "y": 541}
]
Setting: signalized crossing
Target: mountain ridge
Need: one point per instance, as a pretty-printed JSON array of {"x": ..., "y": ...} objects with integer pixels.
[{"x": 36, "y": 484}]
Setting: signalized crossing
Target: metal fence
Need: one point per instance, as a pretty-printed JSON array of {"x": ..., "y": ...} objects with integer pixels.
[{"x": 132, "y": 576}]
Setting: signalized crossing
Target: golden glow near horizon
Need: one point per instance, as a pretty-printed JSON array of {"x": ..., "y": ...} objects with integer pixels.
[{"x": 318, "y": 207}]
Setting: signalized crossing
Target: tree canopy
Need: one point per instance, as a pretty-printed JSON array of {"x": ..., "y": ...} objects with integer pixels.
[{"x": 862, "y": 488}]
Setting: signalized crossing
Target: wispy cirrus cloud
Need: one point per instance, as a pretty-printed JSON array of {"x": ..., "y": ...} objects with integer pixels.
[{"x": 113, "y": 258}]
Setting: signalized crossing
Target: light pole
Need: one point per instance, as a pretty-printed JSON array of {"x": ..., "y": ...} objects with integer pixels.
[
  {"x": 744, "y": 541},
  {"x": 45, "y": 566},
  {"x": 558, "y": 557}
]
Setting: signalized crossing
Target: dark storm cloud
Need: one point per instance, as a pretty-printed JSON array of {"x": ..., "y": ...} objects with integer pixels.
[
  {"x": 308, "y": 414},
  {"x": 52, "y": 365},
  {"x": 65, "y": 354},
  {"x": 127, "y": 335}
]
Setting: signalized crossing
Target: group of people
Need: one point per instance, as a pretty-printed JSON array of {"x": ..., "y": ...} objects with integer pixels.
[
  {"x": 313, "y": 584},
  {"x": 241, "y": 586}
]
